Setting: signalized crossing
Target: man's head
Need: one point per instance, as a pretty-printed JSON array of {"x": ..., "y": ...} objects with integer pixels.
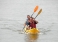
[
  {"x": 31, "y": 18},
  {"x": 28, "y": 16}
]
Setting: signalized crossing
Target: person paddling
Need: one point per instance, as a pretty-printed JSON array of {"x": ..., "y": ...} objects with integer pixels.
[
  {"x": 32, "y": 23},
  {"x": 27, "y": 21}
]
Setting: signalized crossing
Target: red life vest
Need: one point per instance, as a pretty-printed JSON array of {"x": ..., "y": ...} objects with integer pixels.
[{"x": 32, "y": 25}]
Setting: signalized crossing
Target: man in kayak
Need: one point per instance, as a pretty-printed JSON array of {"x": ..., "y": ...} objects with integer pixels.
[
  {"x": 27, "y": 21},
  {"x": 32, "y": 23}
]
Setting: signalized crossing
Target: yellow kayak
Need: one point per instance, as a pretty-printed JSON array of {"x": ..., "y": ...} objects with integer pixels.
[{"x": 32, "y": 31}]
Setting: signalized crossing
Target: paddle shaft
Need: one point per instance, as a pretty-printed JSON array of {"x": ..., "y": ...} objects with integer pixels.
[
  {"x": 36, "y": 16},
  {"x": 32, "y": 14}
]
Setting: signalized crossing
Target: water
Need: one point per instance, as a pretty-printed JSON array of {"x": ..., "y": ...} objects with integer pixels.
[
  {"x": 13, "y": 15},
  {"x": 11, "y": 33}
]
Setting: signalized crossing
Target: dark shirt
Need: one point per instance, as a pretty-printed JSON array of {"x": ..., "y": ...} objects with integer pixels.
[{"x": 32, "y": 25}]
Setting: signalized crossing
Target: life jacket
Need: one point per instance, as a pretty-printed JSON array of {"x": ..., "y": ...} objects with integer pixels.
[{"x": 33, "y": 24}]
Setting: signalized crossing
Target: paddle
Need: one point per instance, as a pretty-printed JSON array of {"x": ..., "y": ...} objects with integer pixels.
[
  {"x": 35, "y": 9},
  {"x": 39, "y": 12}
]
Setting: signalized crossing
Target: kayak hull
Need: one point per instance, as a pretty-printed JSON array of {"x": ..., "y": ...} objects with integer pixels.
[{"x": 32, "y": 31}]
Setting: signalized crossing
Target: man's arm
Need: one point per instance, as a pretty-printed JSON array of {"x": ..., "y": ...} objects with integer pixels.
[
  {"x": 35, "y": 21},
  {"x": 25, "y": 24}
]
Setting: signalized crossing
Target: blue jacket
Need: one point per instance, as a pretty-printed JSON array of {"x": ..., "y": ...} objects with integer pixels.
[{"x": 27, "y": 23}]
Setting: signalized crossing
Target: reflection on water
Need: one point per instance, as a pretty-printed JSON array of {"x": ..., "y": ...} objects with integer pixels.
[{"x": 31, "y": 37}]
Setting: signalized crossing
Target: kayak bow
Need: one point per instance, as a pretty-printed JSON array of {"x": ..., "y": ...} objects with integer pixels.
[{"x": 32, "y": 31}]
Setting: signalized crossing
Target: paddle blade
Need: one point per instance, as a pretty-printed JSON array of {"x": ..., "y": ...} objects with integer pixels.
[
  {"x": 36, "y": 8},
  {"x": 40, "y": 11}
]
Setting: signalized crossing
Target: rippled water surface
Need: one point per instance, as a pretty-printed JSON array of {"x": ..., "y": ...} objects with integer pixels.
[
  {"x": 14, "y": 33},
  {"x": 13, "y": 15}
]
